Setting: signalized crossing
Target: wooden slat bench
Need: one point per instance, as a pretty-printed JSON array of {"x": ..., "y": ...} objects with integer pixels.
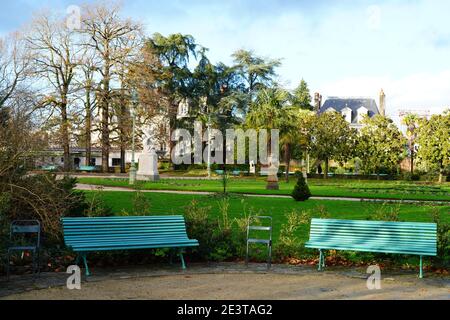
[
  {"x": 410, "y": 238},
  {"x": 85, "y": 235}
]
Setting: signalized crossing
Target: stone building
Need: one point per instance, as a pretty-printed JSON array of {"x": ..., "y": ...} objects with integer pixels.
[{"x": 353, "y": 109}]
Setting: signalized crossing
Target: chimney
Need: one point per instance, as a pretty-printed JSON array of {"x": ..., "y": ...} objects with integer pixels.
[
  {"x": 317, "y": 101},
  {"x": 382, "y": 103}
]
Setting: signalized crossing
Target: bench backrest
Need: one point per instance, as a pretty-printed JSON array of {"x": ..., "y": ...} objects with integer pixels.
[
  {"x": 376, "y": 236},
  {"x": 124, "y": 227},
  {"x": 87, "y": 168}
]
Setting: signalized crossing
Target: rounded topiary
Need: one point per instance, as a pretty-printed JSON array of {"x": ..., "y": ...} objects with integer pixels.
[{"x": 301, "y": 190}]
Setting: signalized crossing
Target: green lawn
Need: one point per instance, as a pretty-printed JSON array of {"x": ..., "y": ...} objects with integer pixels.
[
  {"x": 162, "y": 203},
  {"x": 330, "y": 188}
]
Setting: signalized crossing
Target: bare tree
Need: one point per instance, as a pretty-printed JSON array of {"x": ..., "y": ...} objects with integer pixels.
[
  {"x": 56, "y": 58},
  {"x": 14, "y": 66},
  {"x": 124, "y": 95},
  {"x": 89, "y": 67},
  {"x": 108, "y": 34}
]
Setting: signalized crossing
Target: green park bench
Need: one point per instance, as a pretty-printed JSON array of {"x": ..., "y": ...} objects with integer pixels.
[
  {"x": 86, "y": 235},
  {"x": 236, "y": 173},
  {"x": 87, "y": 168},
  {"x": 49, "y": 168},
  {"x": 410, "y": 238},
  {"x": 220, "y": 172}
]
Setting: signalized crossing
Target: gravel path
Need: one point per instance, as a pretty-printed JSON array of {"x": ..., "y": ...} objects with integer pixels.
[{"x": 231, "y": 281}]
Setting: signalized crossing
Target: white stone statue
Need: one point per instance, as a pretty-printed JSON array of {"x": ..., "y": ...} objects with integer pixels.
[
  {"x": 148, "y": 146},
  {"x": 148, "y": 162}
]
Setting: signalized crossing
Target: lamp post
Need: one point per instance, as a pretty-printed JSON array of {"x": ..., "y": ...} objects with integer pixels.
[
  {"x": 209, "y": 146},
  {"x": 133, "y": 116}
]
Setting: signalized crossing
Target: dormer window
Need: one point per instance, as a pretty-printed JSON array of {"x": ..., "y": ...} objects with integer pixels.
[
  {"x": 183, "y": 108},
  {"x": 362, "y": 112},
  {"x": 347, "y": 114}
]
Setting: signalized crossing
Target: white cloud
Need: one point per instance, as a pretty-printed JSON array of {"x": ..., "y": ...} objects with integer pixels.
[{"x": 374, "y": 17}]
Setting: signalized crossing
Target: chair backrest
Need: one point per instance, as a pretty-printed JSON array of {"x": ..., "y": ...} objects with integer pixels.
[
  {"x": 382, "y": 236},
  {"x": 260, "y": 227},
  {"x": 124, "y": 227},
  {"x": 26, "y": 227}
]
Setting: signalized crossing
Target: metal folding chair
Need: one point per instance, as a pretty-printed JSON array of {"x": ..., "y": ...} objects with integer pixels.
[
  {"x": 267, "y": 242},
  {"x": 23, "y": 230}
]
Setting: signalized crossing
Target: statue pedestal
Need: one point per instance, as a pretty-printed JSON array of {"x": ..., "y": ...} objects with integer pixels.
[
  {"x": 148, "y": 167},
  {"x": 272, "y": 183},
  {"x": 272, "y": 179}
]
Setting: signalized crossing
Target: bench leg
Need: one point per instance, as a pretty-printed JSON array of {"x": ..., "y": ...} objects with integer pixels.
[
  {"x": 183, "y": 265},
  {"x": 320, "y": 259},
  {"x": 86, "y": 265},
  {"x": 421, "y": 268},
  {"x": 246, "y": 255},
  {"x": 35, "y": 263},
  {"x": 8, "y": 265}
]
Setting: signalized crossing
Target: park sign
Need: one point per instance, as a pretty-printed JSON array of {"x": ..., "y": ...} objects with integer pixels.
[{"x": 262, "y": 148}]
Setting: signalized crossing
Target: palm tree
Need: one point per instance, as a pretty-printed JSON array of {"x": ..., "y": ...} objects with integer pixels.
[
  {"x": 412, "y": 123},
  {"x": 294, "y": 132},
  {"x": 269, "y": 112}
]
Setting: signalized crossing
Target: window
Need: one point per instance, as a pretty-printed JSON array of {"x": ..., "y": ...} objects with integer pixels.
[
  {"x": 183, "y": 108},
  {"x": 361, "y": 113},
  {"x": 116, "y": 162},
  {"x": 92, "y": 162},
  {"x": 347, "y": 113}
]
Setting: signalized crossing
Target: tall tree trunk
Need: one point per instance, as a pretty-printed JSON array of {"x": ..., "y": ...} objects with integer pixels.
[
  {"x": 441, "y": 173},
  {"x": 105, "y": 139},
  {"x": 65, "y": 136},
  {"x": 287, "y": 159},
  {"x": 122, "y": 159},
  {"x": 105, "y": 119},
  {"x": 87, "y": 133},
  {"x": 411, "y": 167},
  {"x": 123, "y": 133},
  {"x": 325, "y": 171},
  {"x": 172, "y": 119}
]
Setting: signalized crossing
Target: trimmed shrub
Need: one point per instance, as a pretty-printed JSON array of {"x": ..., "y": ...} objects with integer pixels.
[{"x": 301, "y": 190}]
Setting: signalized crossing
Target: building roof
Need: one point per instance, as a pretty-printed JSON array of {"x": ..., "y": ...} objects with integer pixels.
[{"x": 353, "y": 103}]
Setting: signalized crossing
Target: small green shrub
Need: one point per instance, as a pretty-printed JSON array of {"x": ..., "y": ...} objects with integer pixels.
[
  {"x": 201, "y": 227},
  {"x": 219, "y": 240},
  {"x": 385, "y": 212},
  {"x": 411, "y": 177},
  {"x": 225, "y": 179},
  {"x": 340, "y": 170},
  {"x": 443, "y": 238},
  {"x": 141, "y": 204},
  {"x": 96, "y": 207},
  {"x": 289, "y": 245},
  {"x": 301, "y": 190}
]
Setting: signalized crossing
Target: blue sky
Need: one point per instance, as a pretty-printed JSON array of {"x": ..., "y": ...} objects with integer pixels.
[{"x": 339, "y": 47}]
